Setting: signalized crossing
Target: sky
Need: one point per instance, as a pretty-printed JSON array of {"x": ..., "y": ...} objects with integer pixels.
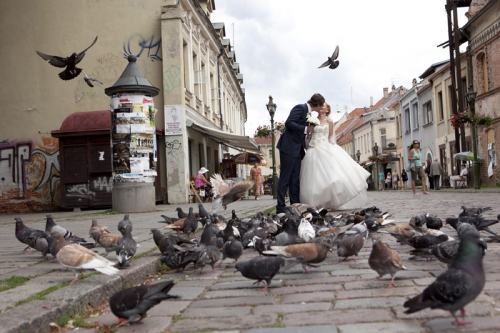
[{"x": 279, "y": 45}]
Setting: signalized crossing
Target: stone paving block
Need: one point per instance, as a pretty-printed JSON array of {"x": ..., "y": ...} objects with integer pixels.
[
  {"x": 413, "y": 274},
  {"x": 233, "y": 301},
  {"x": 378, "y": 292},
  {"x": 308, "y": 297},
  {"x": 106, "y": 318},
  {"x": 382, "y": 283},
  {"x": 479, "y": 324},
  {"x": 227, "y": 323},
  {"x": 382, "y": 302},
  {"x": 153, "y": 324},
  {"x": 253, "y": 291},
  {"x": 302, "y": 276},
  {"x": 350, "y": 272},
  {"x": 337, "y": 317},
  {"x": 295, "y": 329},
  {"x": 335, "y": 279},
  {"x": 424, "y": 281},
  {"x": 291, "y": 308},
  {"x": 207, "y": 274},
  {"x": 472, "y": 309},
  {"x": 382, "y": 328},
  {"x": 216, "y": 312},
  {"x": 168, "y": 308},
  {"x": 195, "y": 283},
  {"x": 305, "y": 289},
  {"x": 243, "y": 285},
  {"x": 322, "y": 268},
  {"x": 492, "y": 285},
  {"x": 187, "y": 292}
]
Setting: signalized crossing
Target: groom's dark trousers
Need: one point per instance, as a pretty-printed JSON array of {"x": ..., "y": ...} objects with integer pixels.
[{"x": 292, "y": 149}]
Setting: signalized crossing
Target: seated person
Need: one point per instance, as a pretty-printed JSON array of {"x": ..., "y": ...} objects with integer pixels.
[
  {"x": 202, "y": 183},
  {"x": 462, "y": 177}
]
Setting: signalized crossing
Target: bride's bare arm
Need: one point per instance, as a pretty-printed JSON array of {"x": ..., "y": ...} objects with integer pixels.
[{"x": 331, "y": 134}]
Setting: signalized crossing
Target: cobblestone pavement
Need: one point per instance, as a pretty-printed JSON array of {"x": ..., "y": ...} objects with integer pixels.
[{"x": 337, "y": 297}]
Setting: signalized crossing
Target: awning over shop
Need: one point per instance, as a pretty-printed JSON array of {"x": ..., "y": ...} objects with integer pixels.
[{"x": 239, "y": 142}]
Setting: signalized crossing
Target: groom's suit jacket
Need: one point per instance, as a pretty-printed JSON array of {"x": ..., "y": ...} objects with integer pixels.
[{"x": 292, "y": 141}]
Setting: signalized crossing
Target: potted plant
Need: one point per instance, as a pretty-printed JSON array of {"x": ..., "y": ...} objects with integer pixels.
[
  {"x": 465, "y": 117},
  {"x": 262, "y": 131}
]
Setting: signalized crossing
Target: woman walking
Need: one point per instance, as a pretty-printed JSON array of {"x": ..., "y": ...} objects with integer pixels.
[{"x": 256, "y": 177}]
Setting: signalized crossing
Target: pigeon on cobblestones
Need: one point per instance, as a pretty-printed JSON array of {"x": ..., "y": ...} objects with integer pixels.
[
  {"x": 384, "y": 260},
  {"x": 77, "y": 257},
  {"x": 460, "y": 226},
  {"x": 350, "y": 245},
  {"x": 190, "y": 223},
  {"x": 124, "y": 223},
  {"x": 231, "y": 249},
  {"x": 311, "y": 253},
  {"x": 209, "y": 255},
  {"x": 96, "y": 231},
  {"x": 473, "y": 211},
  {"x": 108, "y": 241},
  {"x": 180, "y": 213},
  {"x": 459, "y": 285},
  {"x": 305, "y": 229},
  {"x": 178, "y": 260},
  {"x": 32, "y": 237},
  {"x": 125, "y": 247},
  {"x": 264, "y": 268},
  {"x": 433, "y": 222},
  {"x": 425, "y": 241},
  {"x": 160, "y": 240},
  {"x": 50, "y": 226},
  {"x": 136, "y": 301}
]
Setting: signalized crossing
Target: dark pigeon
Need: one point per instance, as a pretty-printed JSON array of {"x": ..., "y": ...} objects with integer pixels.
[
  {"x": 178, "y": 260},
  {"x": 480, "y": 223},
  {"x": 50, "y": 226},
  {"x": 136, "y": 301},
  {"x": 180, "y": 213},
  {"x": 71, "y": 71},
  {"x": 459, "y": 285},
  {"x": 231, "y": 249},
  {"x": 209, "y": 255},
  {"x": 263, "y": 268},
  {"x": 460, "y": 227},
  {"x": 123, "y": 223},
  {"x": 202, "y": 213},
  {"x": 168, "y": 220},
  {"x": 126, "y": 247},
  {"x": 332, "y": 61},
  {"x": 432, "y": 222},
  {"x": 190, "y": 223},
  {"x": 425, "y": 241},
  {"x": 350, "y": 245},
  {"x": 384, "y": 260},
  {"x": 32, "y": 237},
  {"x": 208, "y": 236},
  {"x": 161, "y": 241},
  {"x": 473, "y": 211}
]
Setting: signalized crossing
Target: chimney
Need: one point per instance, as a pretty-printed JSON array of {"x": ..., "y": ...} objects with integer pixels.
[
  {"x": 371, "y": 101},
  {"x": 386, "y": 93}
]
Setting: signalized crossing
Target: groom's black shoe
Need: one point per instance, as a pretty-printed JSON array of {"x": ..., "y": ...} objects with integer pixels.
[{"x": 280, "y": 210}]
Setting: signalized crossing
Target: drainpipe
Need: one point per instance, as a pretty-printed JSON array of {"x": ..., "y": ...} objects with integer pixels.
[{"x": 218, "y": 85}]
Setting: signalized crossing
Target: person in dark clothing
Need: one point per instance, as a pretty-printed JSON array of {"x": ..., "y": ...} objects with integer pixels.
[
  {"x": 428, "y": 173},
  {"x": 404, "y": 178}
]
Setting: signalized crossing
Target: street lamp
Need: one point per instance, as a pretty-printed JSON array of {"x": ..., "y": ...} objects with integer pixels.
[
  {"x": 375, "y": 151},
  {"x": 271, "y": 107},
  {"x": 471, "y": 100},
  {"x": 358, "y": 155}
]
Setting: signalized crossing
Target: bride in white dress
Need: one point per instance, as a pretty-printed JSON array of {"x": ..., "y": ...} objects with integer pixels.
[{"x": 329, "y": 177}]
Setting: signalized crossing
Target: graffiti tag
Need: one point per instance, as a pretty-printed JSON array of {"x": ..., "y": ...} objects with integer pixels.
[
  {"x": 171, "y": 79},
  {"x": 137, "y": 44}
]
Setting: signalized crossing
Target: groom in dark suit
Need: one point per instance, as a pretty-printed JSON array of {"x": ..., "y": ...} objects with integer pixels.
[{"x": 292, "y": 149}]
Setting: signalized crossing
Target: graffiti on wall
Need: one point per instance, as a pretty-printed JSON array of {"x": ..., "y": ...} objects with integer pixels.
[
  {"x": 137, "y": 45},
  {"x": 171, "y": 79},
  {"x": 30, "y": 168}
]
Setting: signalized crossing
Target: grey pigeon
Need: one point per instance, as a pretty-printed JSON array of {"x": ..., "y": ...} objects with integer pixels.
[
  {"x": 425, "y": 241},
  {"x": 459, "y": 285},
  {"x": 350, "y": 245},
  {"x": 136, "y": 301},
  {"x": 161, "y": 241},
  {"x": 168, "y": 220},
  {"x": 480, "y": 223},
  {"x": 123, "y": 223},
  {"x": 208, "y": 236},
  {"x": 71, "y": 71},
  {"x": 190, "y": 223},
  {"x": 332, "y": 61},
  {"x": 231, "y": 249},
  {"x": 88, "y": 80},
  {"x": 32, "y": 237},
  {"x": 178, "y": 260},
  {"x": 125, "y": 247},
  {"x": 180, "y": 213},
  {"x": 50, "y": 226},
  {"x": 384, "y": 260},
  {"x": 263, "y": 268},
  {"x": 209, "y": 255},
  {"x": 202, "y": 213},
  {"x": 473, "y": 211}
]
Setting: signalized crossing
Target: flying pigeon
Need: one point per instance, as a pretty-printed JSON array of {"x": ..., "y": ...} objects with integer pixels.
[
  {"x": 123, "y": 223},
  {"x": 224, "y": 195},
  {"x": 77, "y": 257},
  {"x": 331, "y": 62},
  {"x": 459, "y": 285},
  {"x": 136, "y": 301},
  {"x": 50, "y": 226},
  {"x": 311, "y": 253},
  {"x": 125, "y": 247},
  {"x": 71, "y": 71},
  {"x": 231, "y": 249},
  {"x": 383, "y": 260},
  {"x": 32, "y": 237},
  {"x": 88, "y": 80}
]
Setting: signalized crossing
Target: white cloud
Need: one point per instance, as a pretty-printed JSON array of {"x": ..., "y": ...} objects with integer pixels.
[{"x": 280, "y": 43}]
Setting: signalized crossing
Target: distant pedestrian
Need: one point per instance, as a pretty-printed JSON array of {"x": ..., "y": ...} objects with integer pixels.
[
  {"x": 428, "y": 173},
  {"x": 395, "y": 181},
  {"x": 436, "y": 170},
  {"x": 416, "y": 157},
  {"x": 404, "y": 178},
  {"x": 381, "y": 181},
  {"x": 388, "y": 180}
]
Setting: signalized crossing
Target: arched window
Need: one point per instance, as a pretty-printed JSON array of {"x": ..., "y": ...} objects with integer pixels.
[{"x": 482, "y": 73}]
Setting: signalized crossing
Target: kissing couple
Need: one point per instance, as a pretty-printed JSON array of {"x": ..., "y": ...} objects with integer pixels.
[{"x": 321, "y": 173}]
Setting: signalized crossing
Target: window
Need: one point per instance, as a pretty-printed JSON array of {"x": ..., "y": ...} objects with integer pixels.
[
  {"x": 407, "y": 120},
  {"x": 464, "y": 91},
  {"x": 452, "y": 97},
  {"x": 485, "y": 73},
  {"x": 440, "y": 103},
  {"x": 427, "y": 113},
  {"x": 383, "y": 141},
  {"x": 415, "y": 115},
  {"x": 398, "y": 127},
  {"x": 186, "y": 65}
]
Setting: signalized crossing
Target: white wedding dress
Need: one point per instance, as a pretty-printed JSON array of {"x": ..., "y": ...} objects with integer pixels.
[{"x": 329, "y": 177}]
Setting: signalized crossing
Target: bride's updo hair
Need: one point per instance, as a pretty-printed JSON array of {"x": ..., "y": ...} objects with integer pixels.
[{"x": 329, "y": 109}]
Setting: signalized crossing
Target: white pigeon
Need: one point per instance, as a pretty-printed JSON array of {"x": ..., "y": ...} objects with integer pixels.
[{"x": 306, "y": 231}]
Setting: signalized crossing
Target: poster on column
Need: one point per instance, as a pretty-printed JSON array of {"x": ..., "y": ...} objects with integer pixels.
[{"x": 173, "y": 119}]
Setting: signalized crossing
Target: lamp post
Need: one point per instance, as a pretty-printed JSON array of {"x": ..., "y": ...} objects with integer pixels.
[
  {"x": 358, "y": 155},
  {"x": 271, "y": 107},
  {"x": 375, "y": 151},
  {"x": 471, "y": 100}
]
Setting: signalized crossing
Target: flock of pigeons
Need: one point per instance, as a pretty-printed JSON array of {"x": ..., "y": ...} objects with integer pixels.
[{"x": 302, "y": 235}]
